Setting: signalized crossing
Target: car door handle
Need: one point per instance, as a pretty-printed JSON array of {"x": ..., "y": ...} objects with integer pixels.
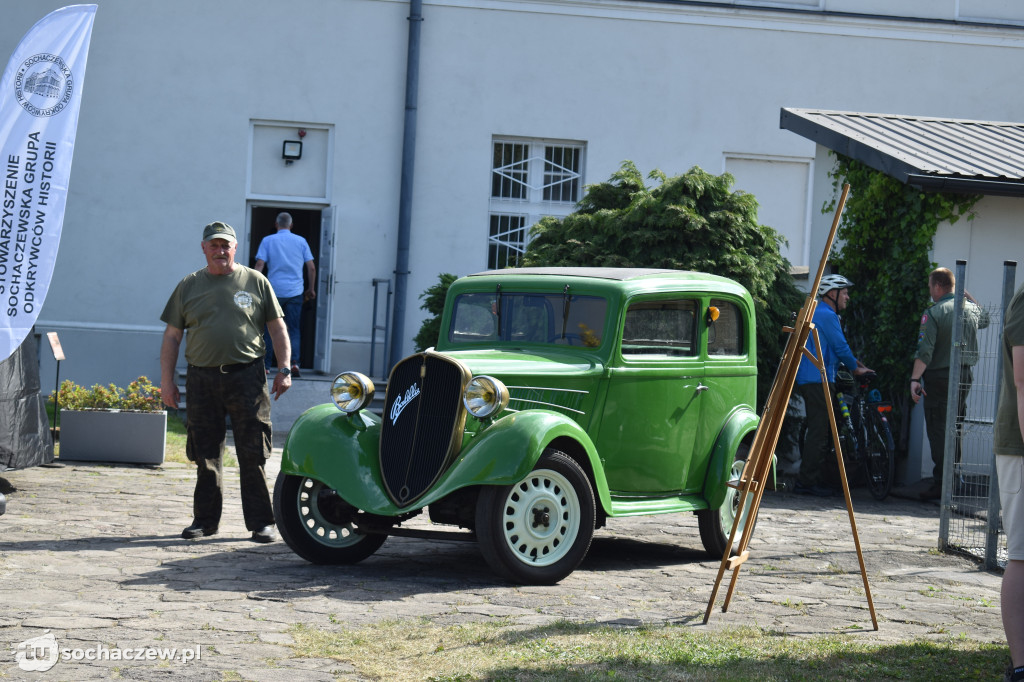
[{"x": 701, "y": 387}]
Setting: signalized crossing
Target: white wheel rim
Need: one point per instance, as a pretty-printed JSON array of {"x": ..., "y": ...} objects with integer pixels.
[
  {"x": 732, "y": 505},
  {"x": 320, "y": 529},
  {"x": 541, "y": 518}
]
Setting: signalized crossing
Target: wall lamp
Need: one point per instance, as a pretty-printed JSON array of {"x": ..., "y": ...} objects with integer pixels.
[{"x": 291, "y": 151}]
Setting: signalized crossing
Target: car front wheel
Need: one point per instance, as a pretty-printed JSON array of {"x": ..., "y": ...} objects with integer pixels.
[
  {"x": 317, "y": 524},
  {"x": 716, "y": 524},
  {"x": 538, "y": 530}
]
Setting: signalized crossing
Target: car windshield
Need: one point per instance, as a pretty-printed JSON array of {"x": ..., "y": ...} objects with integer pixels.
[{"x": 560, "y": 319}]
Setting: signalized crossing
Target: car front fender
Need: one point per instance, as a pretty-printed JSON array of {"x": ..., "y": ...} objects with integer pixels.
[
  {"x": 738, "y": 425},
  {"x": 509, "y": 449},
  {"x": 342, "y": 452}
]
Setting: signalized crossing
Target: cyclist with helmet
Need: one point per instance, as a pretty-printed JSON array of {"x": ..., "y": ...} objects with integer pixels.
[{"x": 818, "y": 437}]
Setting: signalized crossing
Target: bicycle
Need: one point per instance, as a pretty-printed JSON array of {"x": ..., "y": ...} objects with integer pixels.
[{"x": 865, "y": 436}]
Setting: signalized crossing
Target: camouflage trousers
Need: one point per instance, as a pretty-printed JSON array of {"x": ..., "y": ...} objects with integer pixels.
[{"x": 241, "y": 395}]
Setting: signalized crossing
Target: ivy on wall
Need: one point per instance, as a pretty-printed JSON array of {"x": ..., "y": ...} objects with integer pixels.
[{"x": 885, "y": 241}]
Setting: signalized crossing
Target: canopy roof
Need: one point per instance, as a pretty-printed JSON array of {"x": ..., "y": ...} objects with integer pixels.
[{"x": 936, "y": 154}]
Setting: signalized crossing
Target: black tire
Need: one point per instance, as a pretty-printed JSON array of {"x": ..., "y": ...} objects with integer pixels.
[
  {"x": 716, "y": 524},
  {"x": 537, "y": 531},
  {"x": 316, "y": 523},
  {"x": 878, "y": 462}
]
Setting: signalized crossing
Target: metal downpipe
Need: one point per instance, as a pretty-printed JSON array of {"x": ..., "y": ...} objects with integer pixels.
[{"x": 412, "y": 77}]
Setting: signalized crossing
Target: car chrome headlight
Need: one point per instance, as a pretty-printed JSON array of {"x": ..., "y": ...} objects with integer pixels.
[
  {"x": 485, "y": 396},
  {"x": 352, "y": 391}
]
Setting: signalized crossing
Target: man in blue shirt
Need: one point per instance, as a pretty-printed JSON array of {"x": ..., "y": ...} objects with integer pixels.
[
  {"x": 283, "y": 255},
  {"x": 834, "y": 297}
]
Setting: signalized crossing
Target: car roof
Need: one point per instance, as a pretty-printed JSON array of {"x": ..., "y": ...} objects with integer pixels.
[
  {"x": 598, "y": 273},
  {"x": 632, "y": 279}
]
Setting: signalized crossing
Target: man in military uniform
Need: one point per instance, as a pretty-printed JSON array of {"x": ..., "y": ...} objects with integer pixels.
[
  {"x": 930, "y": 375},
  {"x": 225, "y": 307}
]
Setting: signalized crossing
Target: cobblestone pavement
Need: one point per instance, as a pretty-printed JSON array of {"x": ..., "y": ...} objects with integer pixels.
[{"x": 91, "y": 555}]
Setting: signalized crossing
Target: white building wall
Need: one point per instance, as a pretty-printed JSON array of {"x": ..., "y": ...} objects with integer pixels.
[{"x": 166, "y": 140}]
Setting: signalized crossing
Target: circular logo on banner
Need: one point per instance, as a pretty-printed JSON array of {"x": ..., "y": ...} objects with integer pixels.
[
  {"x": 243, "y": 300},
  {"x": 43, "y": 85}
]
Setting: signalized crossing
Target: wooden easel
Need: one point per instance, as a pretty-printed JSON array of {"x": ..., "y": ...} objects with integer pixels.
[{"x": 757, "y": 468}]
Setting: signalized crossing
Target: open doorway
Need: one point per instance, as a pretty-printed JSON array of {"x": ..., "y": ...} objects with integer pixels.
[{"x": 306, "y": 224}]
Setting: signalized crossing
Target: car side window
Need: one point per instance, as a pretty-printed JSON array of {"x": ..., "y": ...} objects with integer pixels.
[
  {"x": 655, "y": 328},
  {"x": 725, "y": 335}
]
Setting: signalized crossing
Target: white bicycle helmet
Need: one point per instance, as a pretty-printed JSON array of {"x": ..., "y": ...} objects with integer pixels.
[{"x": 830, "y": 282}]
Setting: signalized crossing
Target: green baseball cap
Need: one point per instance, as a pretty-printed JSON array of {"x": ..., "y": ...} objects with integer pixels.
[{"x": 219, "y": 230}]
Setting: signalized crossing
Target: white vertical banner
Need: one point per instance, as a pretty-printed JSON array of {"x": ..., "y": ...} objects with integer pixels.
[{"x": 40, "y": 95}]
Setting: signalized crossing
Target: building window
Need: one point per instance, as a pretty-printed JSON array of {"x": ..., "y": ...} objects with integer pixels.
[
  {"x": 562, "y": 174},
  {"x": 530, "y": 179},
  {"x": 507, "y": 241},
  {"x": 509, "y": 179}
]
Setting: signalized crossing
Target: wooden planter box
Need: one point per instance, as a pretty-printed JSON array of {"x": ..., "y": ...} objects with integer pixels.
[{"x": 113, "y": 436}]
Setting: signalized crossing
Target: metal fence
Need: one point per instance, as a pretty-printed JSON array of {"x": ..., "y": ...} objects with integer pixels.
[{"x": 970, "y": 520}]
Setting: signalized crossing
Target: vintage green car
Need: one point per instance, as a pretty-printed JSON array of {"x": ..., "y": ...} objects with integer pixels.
[{"x": 555, "y": 399}]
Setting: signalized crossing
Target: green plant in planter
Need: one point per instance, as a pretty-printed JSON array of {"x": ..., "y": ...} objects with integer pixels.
[{"x": 140, "y": 396}]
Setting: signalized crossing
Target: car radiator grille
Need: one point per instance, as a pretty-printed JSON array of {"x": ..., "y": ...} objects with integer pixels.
[{"x": 423, "y": 421}]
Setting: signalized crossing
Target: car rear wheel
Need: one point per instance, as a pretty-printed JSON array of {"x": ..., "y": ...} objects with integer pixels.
[
  {"x": 716, "y": 524},
  {"x": 317, "y": 524},
  {"x": 538, "y": 530}
]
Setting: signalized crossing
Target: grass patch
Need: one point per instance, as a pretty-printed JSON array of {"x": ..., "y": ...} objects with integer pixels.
[
  {"x": 398, "y": 651},
  {"x": 174, "y": 450}
]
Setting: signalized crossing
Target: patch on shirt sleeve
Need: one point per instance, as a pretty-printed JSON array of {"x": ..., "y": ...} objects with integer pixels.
[{"x": 920, "y": 335}]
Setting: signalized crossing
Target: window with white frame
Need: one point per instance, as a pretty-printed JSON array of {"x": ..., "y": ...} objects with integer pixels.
[{"x": 530, "y": 179}]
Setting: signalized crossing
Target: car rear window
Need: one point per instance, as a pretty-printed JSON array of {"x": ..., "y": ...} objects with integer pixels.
[{"x": 725, "y": 335}]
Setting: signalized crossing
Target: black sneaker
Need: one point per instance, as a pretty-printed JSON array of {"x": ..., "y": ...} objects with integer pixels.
[
  {"x": 197, "y": 530},
  {"x": 932, "y": 492},
  {"x": 815, "y": 490},
  {"x": 295, "y": 372},
  {"x": 265, "y": 534}
]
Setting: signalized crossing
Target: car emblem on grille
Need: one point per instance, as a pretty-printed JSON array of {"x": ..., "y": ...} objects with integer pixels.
[{"x": 403, "y": 401}]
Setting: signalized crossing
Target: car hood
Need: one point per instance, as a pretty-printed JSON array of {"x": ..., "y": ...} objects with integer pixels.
[{"x": 520, "y": 363}]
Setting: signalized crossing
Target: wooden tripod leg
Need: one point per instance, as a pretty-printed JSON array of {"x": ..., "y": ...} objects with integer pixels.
[
  {"x": 846, "y": 486},
  {"x": 751, "y": 505},
  {"x": 755, "y": 472},
  {"x": 750, "y": 497}
]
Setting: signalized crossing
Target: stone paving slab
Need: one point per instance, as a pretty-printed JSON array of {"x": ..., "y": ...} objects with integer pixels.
[{"x": 91, "y": 555}]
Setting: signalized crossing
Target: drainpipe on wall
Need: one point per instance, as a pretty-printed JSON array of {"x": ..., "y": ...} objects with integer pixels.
[{"x": 412, "y": 77}]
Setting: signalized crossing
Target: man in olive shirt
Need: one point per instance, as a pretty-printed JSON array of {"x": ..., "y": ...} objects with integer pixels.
[
  {"x": 1008, "y": 445},
  {"x": 225, "y": 307},
  {"x": 930, "y": 375}
]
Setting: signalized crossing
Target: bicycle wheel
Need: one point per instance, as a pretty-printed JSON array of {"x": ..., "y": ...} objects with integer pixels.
[{"x": 878, "y": 465}]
